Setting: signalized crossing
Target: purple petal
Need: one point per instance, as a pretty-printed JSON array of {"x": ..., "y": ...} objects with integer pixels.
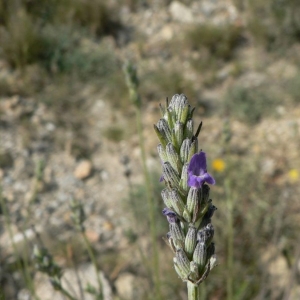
[
  {"x": 195, "y": 181},
  {"x": 167, "y": 211},
  {"x": 208, "y": 178},
  {"x": 170, "y": 214},
  {"x": 161, "y": 178},
  {"x": 197, "y": 164}
]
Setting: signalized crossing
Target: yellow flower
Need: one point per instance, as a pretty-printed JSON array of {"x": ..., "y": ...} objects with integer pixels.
[
  {"x": 218, "y": 165},
  {"x": 293, "y": 175}
]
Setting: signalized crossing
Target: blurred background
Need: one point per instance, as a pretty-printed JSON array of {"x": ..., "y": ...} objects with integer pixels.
[{"x": 68, "y": 131}]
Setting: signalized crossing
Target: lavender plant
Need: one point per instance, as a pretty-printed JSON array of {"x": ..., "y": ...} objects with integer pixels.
[
  {"x": 188, "y": 207},
  {"x": 44, "y": 263}
]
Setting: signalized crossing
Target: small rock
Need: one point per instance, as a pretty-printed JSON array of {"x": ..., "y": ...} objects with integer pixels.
[
  {"x": 131, "y": 287},
  {"x": 181, "y": 13},
  {"x": 24, "y": 295},
  {"x": 108, "y": 226},
  {"x": 83, "y": 169},
  {"x": 167, "y": 33},
  {"x": 268, "y": 167},
  {"x": 50, "y": 126},
  {"x": 87, "y": 276},
  {"x": 92, "y": 235}
]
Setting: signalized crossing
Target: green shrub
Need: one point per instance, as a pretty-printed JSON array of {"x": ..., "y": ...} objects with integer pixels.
[
  {"x": 274, "y": 23},
  {"x": 65, "y": 52},
  {"x": 166, "y": 82},
  {"x": 20, "y": 40},
  {"x": 293, "y": 88},
  {"x": 95, "y": 16},
  {"x": 249, "y": 104},
  {"x": 49, "y": 33},
  {"x": 220, "y": 41},
  {"x": 114, "y": 133}
]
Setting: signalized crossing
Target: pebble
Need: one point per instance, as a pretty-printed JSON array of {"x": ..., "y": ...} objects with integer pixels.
[
  {"x": 83, "y": 169},
  {"x": 181, "y": 13}
]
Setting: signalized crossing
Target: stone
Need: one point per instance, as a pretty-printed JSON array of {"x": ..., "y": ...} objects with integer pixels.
[
  {"x": 24, "y": 295},
  {"x": 181, "y": 13},
  {"x": 87, "y": 276},
  {"x": 83, "y": 169},
  {"x": 131, "y": 287},
  {"x": 92, "y": 235}
]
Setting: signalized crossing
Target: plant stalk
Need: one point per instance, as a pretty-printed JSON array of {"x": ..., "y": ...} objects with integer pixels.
[
  {"x": 193, "y": 291},
  {"x": 94, "y": 261},
  {"x": 151, "y": 205},
  {"x": 67, "y": 294},
  {"x": 230, "y": 230}
]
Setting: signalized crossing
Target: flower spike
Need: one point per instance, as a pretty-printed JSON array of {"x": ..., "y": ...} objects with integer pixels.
[{"x": 189, "y": 210}]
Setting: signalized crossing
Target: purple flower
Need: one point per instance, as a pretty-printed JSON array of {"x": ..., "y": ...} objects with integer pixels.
[
  {"x": 197, "y": 173},
  {"x": 170, "y": 214}
]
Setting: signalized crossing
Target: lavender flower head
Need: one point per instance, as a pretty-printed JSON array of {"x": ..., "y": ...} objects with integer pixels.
[
  {"x": 197, "y": 173},
  {"x": 188, "y": 207}
]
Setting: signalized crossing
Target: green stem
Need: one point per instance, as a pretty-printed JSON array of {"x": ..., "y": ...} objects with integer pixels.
[
  {"x": 67, "y": 294},
  {"x": 94, "y": 261},
  {"x": 193, "y": 291},
  {"x": 24, "y": 270},
  {"x": 230, "y": 241},
  {"x": 151, "y": 205}
]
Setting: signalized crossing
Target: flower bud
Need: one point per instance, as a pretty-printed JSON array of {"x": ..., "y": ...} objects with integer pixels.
[
  {"x": 177, "y": 235},
  {"x": 180, "y": 273},
  {"x": 188, "y": 133},
  {"x": 178, "y": 132},
  {"x": 171, "y": 215},
  {"x": 208, "y": 215},
  {"x": 190, "y": 241},
  {"x": 178, "y": 104},
  {"x": 166, "y": 198},
  {"x": 210, "y": 250},
  {"x": 163, "y": 127},
  {"x": 192, "y": 203},
  {"x": 184, "y": 150},
  {"x": 200, "y": 255},
  {"x": 205, "y": 194},
  {"x": 210, "y": 211},
  {"x": 162, "y": 153},
  {"x": 173, "y": 158},
  {"x": 194, "y": 271},
  {"x": 213, "y": 261},
  {"x": 184, "y": 178},
  {"x": 170, "y": 175},
  {"x": 161, "y": 136},
  {"x": 183, "y": 263},
  {"x": 193, "y": 148},
  {"x": 206, "y": 234},
  {"x": 184, "y": 114},
  {"x": 187, "y": 216},
  {"x": 176, "y": 202},
  {"x": 170, "y": 118}
]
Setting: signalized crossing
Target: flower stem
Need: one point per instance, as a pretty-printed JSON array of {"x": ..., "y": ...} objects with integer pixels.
[
  {"x": 193, "y": 291},
  {"x": 94, "y": 261},
  {"x": 151, "y": 205},
  {"x": 24, "y": 270},
  {"x": 230, "y": 230},
  {"x": 67, "y": 294}
]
